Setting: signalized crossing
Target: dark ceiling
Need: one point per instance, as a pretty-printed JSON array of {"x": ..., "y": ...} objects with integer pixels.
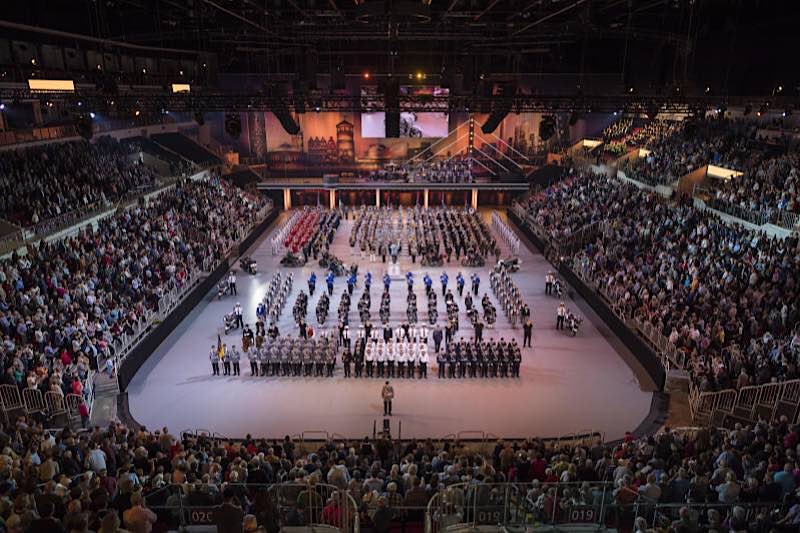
[{"x": 736, "y": 46}]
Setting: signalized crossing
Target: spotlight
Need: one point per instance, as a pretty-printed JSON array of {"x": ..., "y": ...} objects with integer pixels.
[
  {"x": 144, "y": 71},
  {"x": 420, "y": 75},
  {"x": 630, "y": 89},
  {"x": 137, "y": 113},
  {"x": 317, "y": 108},
  {"x": 2, "y": 107},
  {"x": 92, "y": 115},
  {"x": 99, "y": 67},
  {"x": 180, "y": 73},
  {"x": 366, "y": 75},
  {"x": 33, "y": 61},
  {"x": 708, "y": 89},
  {"x": 762, "y": 110},
  {"x": 80, "y": 104},
  {"x": 780, "y": 88},
  {"x": 615, "y": 113}
]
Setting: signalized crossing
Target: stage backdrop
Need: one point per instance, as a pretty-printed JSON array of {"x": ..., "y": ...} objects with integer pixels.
[{"x": 334, "y": 138}]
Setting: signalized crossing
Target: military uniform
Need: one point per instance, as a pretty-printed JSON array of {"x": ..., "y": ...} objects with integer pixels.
[{"x": 214, "y": 357}]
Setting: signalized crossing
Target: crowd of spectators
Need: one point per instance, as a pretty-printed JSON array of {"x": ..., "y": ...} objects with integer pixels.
[
  {"x": 43, "y": 182},
  {"x": 106, "y": 478},
  {"x": 676, "y": 151},
  {"x": 724, "y": 296},
  {"x": 65, "y": 303},
  {"x": 769, "y": 187},
  {"x": 617, "y": 130}
]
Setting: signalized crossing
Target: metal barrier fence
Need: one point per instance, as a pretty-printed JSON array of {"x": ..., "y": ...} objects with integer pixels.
[
  {"x": 784, "y": 219},
  {"x": 285, "y": 505},
  {"x": 532, "y": 505},
  {"x": 769, "y": 402}
]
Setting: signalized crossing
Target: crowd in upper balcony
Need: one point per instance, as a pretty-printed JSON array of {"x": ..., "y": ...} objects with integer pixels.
[
  {"x": 681, "y": 150},
  {"x": 43, "y": 182}
]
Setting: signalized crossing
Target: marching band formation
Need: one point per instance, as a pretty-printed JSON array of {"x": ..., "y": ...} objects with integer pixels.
[
  {"x": 432, "y": 234},
  {"x": 386, "y": 351},
  {"x": 506, "y": 233}
]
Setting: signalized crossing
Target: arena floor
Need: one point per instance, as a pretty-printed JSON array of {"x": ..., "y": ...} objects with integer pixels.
[{"x": 567, "y": 384}]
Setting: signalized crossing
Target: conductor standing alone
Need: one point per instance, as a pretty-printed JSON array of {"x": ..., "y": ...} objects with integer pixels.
[{"x": 387, "y": 393}]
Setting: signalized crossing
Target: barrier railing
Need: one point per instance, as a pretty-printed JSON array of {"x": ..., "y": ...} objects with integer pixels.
[
  {"x": 769, "y": 402},
  {"x": 519, "y": 506},
  {"x": 315, "y": 505},
  {"x": 784, "y": 219}
]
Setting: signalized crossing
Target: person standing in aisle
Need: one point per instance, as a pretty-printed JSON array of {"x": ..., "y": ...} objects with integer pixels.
[
  {"x": 232, "y": 283},
  {"x": 387, "y": 393},
  {"x": 527, "y": 330},
  {"x": 561, "y": 314}
]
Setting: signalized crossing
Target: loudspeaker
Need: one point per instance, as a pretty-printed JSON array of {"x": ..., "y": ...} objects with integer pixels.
[
  {"x": 233, "y": 124},
  {"x": 547, "y": 127},
  {"x": 83, "y": 126},
  {"x": 391, "y": 102}
]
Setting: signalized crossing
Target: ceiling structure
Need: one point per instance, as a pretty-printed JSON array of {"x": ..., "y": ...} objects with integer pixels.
[{"x": 647, "y": 44}]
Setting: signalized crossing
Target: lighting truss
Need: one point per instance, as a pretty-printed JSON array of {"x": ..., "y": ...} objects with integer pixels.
[{"x": 209, "y": 101}]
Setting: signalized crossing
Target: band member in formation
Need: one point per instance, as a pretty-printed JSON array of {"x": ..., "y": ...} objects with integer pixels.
[
  {"x": 488, "y": 359},
  {"x": 226, "y": 363},
  {"x": 235, "y": 356},
  {"x": 214, "y": 357}
]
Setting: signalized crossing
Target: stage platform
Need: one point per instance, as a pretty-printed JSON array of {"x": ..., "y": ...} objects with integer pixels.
[{"x": 567, "y": 385}]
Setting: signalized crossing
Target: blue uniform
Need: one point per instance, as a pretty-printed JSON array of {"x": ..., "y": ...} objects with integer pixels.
[
  {"x": 329, "y": 280},
  {"x": 410, "y": 279},
  {"x": 443, "y": 278},
  {"x": 386, "y": 281},
  {"x": 368, "y": 280}
]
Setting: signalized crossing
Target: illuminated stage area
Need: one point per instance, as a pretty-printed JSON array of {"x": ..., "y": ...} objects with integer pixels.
[{"x": 566, "y": 384}]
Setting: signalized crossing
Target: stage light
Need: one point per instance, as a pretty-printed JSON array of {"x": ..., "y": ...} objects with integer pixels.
[
  {"x": 99, "y": 67},
  {"x": 80, "y": 104},
  {"x": 144, "y": 71},
  {"x": 366, "y": 75},
  {"x": 708, "y": 89},
  {"x": 137, "y": 113},
  {"x": 630, "y": 89},
  {"x": 420, "y": 75},
  {"x": 2, "y": 107},
  {"x": 33, "y": 61},
  {"x": 780, "y": 88},
  {"x": 92, "y": 115},
  {"x": 180, "y": 73},
  {"x": 317, "y": 108},
  {"x": 615, "y": 113}
]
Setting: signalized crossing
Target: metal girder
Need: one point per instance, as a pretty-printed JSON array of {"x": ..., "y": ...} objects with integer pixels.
[
  {"x": 156, "y": 100},
  {"x": 548, "y": 17}
]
